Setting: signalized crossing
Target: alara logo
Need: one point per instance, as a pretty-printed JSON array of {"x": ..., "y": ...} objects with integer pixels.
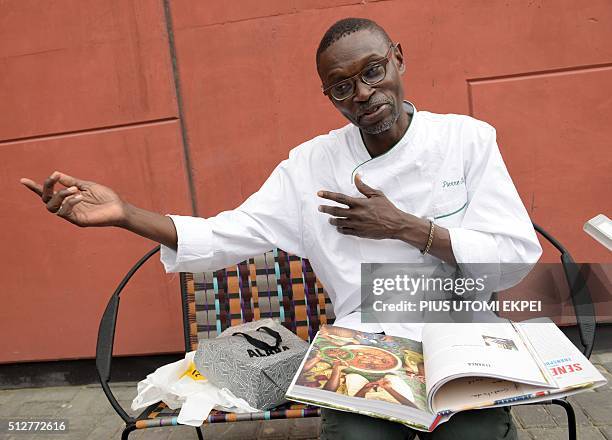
[{"x": 263, "y": 353}]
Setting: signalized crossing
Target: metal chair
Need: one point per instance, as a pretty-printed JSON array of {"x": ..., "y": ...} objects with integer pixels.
[
  {"x": 585, "y": 318},
  {"x": 275, "y": 284},
  {"x": 282, "y": 286}
]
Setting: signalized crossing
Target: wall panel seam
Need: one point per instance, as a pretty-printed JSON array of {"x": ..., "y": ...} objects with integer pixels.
[
  {"x": 179, "y": 103},
  {"x": 87, "y": 131},
  {"x": 545, "y": 72}
]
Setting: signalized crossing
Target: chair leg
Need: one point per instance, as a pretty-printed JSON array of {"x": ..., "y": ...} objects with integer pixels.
[
  {"x": 199, "y": 431},
  {"x": 126, "y": 432},
  {"x": 571, "y": 417}
]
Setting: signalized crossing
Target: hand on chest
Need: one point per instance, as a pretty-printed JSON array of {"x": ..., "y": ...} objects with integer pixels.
[{"x": 423, "y": 189}]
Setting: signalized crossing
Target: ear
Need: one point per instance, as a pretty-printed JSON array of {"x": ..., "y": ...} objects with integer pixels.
[{"x": 400, "y": 58}]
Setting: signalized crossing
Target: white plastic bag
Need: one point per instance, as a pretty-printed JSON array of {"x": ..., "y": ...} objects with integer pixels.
[{"x": 180, "y": 385}]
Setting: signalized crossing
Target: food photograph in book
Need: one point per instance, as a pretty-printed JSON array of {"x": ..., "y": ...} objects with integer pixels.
[{"x": 370, "y": 366}]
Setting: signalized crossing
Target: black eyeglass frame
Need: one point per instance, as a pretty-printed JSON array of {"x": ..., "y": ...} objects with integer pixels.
[{"x": 383, "y": 63}]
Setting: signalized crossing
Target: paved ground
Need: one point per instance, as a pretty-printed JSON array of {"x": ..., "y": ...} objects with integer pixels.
[{"x": 91, "y": 416}]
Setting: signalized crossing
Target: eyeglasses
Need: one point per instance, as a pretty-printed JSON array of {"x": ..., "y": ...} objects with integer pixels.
[{"x": 372, "y": 74}]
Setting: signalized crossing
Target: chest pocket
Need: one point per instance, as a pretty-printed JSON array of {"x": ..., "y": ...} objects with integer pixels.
[{"x": 450, "y": 212}]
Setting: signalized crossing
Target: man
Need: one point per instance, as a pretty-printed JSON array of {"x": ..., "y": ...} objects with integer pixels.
[{"x": 396, "y": 185}]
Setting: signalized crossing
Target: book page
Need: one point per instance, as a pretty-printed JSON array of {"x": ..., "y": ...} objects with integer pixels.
[
  {"x": 494, "y": 350},
  {"x": 371, "y": 374},
  {"x": 567, "y": 365},
  {"x": 484, "y": 392},
  {"x": 476, "y": 392},
  {"x": 366, "y": 366}
]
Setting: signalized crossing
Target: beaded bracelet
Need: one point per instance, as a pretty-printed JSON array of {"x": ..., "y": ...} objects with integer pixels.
[{"x": 430, "y": 238}]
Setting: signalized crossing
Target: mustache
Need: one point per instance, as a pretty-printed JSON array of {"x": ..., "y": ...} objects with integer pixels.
[{"x": 370, "y": 106}]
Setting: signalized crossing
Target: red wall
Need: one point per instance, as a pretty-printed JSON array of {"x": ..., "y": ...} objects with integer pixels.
[{"x": 88, "y": 87}]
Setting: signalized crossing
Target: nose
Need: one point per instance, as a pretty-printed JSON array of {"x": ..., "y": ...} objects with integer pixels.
[{"x": 362, "y": 91}]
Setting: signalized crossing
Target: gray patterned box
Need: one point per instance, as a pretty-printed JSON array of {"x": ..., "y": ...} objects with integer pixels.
[{"x": 260, "y": 373}]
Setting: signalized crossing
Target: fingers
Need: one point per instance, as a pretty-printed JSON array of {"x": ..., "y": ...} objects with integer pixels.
[
  {"x": 61, "y": 202},
  {"x": 338, "y": 197},
  {"x": 365, "y": 189},
  {"x": 57, "y": 200},
  {"x": 67, "y": 180},
  {"x": 335, "y": 210},
  {"x": 32, "y": 186},
  {"x": 344, "y": 226},
  {"x": 47, "y": 190},
  {"x": 68, "y": 204},
  {"x": 341, "y": 222},
  {"x": 347, "y": 231}
]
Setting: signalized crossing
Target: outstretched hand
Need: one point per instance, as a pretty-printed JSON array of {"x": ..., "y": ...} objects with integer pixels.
[
  {"x": 372, "y": 216},
  {"x": 80, "y": 202}
]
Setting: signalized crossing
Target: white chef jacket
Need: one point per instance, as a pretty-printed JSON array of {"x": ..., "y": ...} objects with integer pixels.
[{"x": 447, "y": 168}]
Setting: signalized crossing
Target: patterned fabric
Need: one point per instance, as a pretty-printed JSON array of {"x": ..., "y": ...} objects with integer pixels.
[
  {"x": 273, "y": 285},
  {"x": 160, "y": 415}
]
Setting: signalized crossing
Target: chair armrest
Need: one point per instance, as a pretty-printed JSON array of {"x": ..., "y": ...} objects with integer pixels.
[
  {"x": 106, "y": 336},
  {"x": 582, "y": 302}
]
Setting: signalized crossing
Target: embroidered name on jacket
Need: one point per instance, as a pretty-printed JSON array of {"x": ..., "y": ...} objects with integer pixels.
[{"x": 448, "y": 184}]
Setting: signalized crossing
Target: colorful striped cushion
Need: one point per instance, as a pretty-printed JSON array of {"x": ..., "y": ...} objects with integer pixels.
[{"x": 275, "y": 284}]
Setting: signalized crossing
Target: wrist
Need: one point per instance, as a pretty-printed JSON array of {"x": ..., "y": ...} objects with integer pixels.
[
  {"x": 403, "y": 226},
  {"x": 414, "y": 231},
  {"x": 127, "y": 214}
]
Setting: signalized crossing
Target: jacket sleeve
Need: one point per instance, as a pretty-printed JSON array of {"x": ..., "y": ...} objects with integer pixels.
[
  {"x": 496, "y": 237},
  {"x": 269, "y": 218}
]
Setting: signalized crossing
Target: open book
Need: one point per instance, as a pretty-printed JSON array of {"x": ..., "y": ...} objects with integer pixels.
[{"x": 456, "y": 367}]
